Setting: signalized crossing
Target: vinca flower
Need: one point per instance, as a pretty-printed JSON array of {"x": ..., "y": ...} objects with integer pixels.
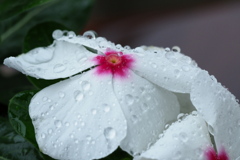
[
  {"x": 211, "y": 132},
  {"x": 115, "y": 96}
]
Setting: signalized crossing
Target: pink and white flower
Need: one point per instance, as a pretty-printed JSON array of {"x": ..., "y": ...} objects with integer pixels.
[{"x": 125, "y": 97}]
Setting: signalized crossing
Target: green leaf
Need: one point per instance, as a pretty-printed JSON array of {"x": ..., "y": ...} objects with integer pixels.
[
  {"x": 12, "y": 85},
  {"x": 9, "y": 8},
  {"x": 41, "y": 83},
  {"x": 118, "y": 155},
  {"x": 19, "y": 116},
  {"x": 14, "y": 146},
  {"x": 71, "y": 13}
]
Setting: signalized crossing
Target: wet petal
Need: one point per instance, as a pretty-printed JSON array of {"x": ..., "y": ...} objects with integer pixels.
[
  {"x": 170, "y": 70},
  {"x": 186, "y": 140},
  {"x": 221, "y": 111},
  {"x": 147, "y": 108},
  {"x": 78, "y": 118},
  {"x": 59, "y": 60}
]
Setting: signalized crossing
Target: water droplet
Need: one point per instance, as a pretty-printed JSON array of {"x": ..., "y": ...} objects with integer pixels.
[
  {"x": 85, "y": 85},
  {"x": 67, "y": 124},
  {"x": 211, "y": 130},
  {"x": 58, "y": 123},
  {"x": 50, "y": 131},
  {"x": 185, "y": 68},
  {"x": 109, "y": 133},
  {"x": 59, "y": 68},
  {"x": 61, "y": 94},
  {"x": 43, "y": 135},
  {"x": 154, "y": 65},
  {"x": 176, "y": 49},
  {"x": 134, "y": 118},
  {"x": 76, "y": 141},
  {"x": 57, "y": 34},
  {"x": 94, "y": 111},
  {"x": 71, "y": 34},
  {"x": 44, "y": 99},
  {"x": 183, "y": 136},
  {"x": 90, "y": 34},
  {"x": 78, "y": 95},
  {"x": 106, "y": 108},
  {"x": 129, "y": 99},
  {"x": 144, "y": 107}
]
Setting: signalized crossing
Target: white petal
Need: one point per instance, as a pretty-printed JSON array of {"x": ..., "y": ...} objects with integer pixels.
[
  {"x": 184, "y": 140},
  {"x": 147, "y": 108},
  {"x": 78, "y": 118},
  {"x": 221, "y": 111},
  {"x": 170, "y": 70},
  {"x": 59, "y": 60}
]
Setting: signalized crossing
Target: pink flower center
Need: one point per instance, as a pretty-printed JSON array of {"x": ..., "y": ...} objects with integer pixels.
[
  {"x": 115, "y": 63},
  {"x": 210, "y": 154}
]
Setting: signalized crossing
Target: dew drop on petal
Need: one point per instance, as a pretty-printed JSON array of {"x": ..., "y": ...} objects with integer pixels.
[
  {"x": 94, "y": 111},
  {"x": 176, "y": 49},
  {"x": 43, "y": 135},
  {"x": 183, "y": 137},
  {"x": 78, "y": 95},
  {"x": 50, "y": 131},
  {"x": 58, "y": 123},
  {"x": 211, "y": 130},
  {"x": 129, "y": 99},
  {"x": 57, "y": 34},
  {"x": 61, "y": 94},
  {"x": 106, "y": 108},
  {"x": 109, "y": 133},
  {"x": 59, "y": 68},
  {"x": 90, "y": 34},
  {"x": 85, "y": 85}
]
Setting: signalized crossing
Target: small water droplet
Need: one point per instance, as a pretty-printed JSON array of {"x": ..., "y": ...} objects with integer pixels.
[
  {"x": 90, "y": 34},
  {"x": 67, "y": 124},
  {"x": 211, "y": 130},
  {"x": 50, "y": 131},
  {"x": 58, "y": 123},
  {"x": 129, "y": 99},
  {"x": 154, "y": 65},
  {"x": 94, "y": 111},
  {"x": 176, "y": 49},
  {"x": 61, "y": 94},
  {"x": 57, "y": 34},
  {"x": 85, "y": 85},
  {"x": 106, "y": 108},
  {"x": 109, "y": 133},
  {"x": 185, "y": 68},
  {"x": 183, "y": 136},
  {"x": 44, "y": 99},
  {"x": 43, "y": 135},
  {"x": 78, "y": 95},
  {"x": 71, "y": 34},
  {"x": 59, "y": 68}
]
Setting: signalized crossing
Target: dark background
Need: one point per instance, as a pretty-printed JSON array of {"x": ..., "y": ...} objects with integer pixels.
[{"x": 206, "y": 30}]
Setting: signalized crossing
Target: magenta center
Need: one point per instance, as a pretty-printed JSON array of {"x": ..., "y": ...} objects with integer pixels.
[
  {"x": 115, "y": 63},
  {"x": 210, "y": 154}
]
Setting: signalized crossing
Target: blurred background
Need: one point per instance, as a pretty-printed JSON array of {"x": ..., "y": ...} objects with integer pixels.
[{"x": 206, "y": 30}]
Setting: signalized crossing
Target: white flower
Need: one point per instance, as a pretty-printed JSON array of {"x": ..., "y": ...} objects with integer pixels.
[
  {"x": 125, "y": 99},
  {"x": 189, "y": 138}
]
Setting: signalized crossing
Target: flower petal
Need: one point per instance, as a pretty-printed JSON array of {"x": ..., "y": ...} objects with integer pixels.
[
  {"x": 78, "y": 118},
  {"x": 170, "y": 70},
  {"x": 59, "y": 60},
  {"x": 220, "y": 110},
  {"x": 184, "y": 139},
  {"x": 147, "y": 108}
]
